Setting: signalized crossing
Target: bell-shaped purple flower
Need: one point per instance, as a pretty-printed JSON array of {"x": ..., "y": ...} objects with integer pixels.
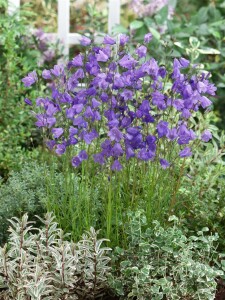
[
  {"x": 141, "y": 51},
  {"x": 116, "y": 166},
  {"x": 124, "y": 39},
  {"x": 57, "y": 70},
  {"x": 60, "y": 149},
  {"x": 30, "y": 79},
  {"x": 83, "y": 155},
  {"x": 46, "y": 74},
  {"x": 77, "y": 61},
  {"x": 99, "y": 158},
  {"x": 117, "y": 150},
  {"x": 127, "y": 62},
  {"x": 206, "y": 136},
  {"x": 75, "y": 161},
  {"x": 185, "y": 152},
  {"x": 162, "y": 128},
  {"x": 101, "y": 56},
  {"x": 115, "y": 134},
  {"x": 57, "y": 132},
  {"x": 164, "y": 163},
  {"x": 85, "y": 41},
  {"x": 108, "y": 40},
  {"x": 205, "y": 102},
  {"x": 147, "y": 38}
]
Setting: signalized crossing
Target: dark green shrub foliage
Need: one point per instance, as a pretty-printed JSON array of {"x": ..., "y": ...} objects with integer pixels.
[
  {"x": 20, "y": 52},
  {"x": 25, "y": 191}
]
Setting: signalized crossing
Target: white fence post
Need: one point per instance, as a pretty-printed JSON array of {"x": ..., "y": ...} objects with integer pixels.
[
  {"x": 64, "y": 23},
  {"x": 113, "y": 14},
  {"x": 63, "y": 33},
  {"x": 13, "y": 5}
]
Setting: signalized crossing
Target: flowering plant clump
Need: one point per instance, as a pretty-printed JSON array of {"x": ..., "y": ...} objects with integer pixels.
[
  {"x": 127, "y": 121},
  {"x": 126, "y": 105}
]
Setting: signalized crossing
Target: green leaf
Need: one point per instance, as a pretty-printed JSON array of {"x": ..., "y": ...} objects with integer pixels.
[
  {"x": 136, "y": 24},
  {"x": 119, "y": 29},
  {"x": 194, "y": 42},
  {"x": 155, "y": 33},
  {"x": 223, "y": 262},
  {"x": 207, "y": 50},
  {"x": 178, "y": 44}
]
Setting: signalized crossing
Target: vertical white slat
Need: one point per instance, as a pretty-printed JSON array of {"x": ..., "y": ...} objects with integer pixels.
[
  {"x": 64, "y": 23},
  {"x": 113, "y": 14},
  {"x": 13, "y": 5}
]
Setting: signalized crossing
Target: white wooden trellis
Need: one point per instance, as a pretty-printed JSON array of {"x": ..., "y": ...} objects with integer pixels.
[{"x": 64, "y": 20}]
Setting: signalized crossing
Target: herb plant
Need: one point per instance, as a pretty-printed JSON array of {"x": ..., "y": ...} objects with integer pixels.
[
  {"x": 41, "y": 264},
  {"x": 164, "y": 263},
  {"x": 131, "y": 115}
]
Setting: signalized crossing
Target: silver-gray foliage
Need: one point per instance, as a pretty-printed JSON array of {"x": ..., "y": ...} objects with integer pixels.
[{"x": 41, "y": 264}]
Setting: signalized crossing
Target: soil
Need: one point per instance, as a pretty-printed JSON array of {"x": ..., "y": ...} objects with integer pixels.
[{"x": 220, "y": 295}]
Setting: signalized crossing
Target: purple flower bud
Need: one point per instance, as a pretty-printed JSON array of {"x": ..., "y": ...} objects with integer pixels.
[
  {"x": 85, "y": 41},
  {"x": 162, "y": 72},
  {"x": 148, "y": 37},
  {"x": 164, "y": 163},
  {"x": 206, "y": 136},
  {"x": 46, "y": 74},
  {"x": 185, "y": 152},
  {"x": 186, "y": 113},
  {"x": 27, "y": 101}
]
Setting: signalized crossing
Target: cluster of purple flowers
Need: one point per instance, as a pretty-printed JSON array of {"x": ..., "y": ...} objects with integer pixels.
[{"x": 120, "y": 105}]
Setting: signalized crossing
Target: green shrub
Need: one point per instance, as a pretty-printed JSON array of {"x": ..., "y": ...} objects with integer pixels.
[
  {"x": 164, "y": 263},
  {"x": 41, "y": 264},
  {"x": 25, "y": 191},
  {"x": 20, "y": 52},
  {"x": 38, "y": 188}
]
